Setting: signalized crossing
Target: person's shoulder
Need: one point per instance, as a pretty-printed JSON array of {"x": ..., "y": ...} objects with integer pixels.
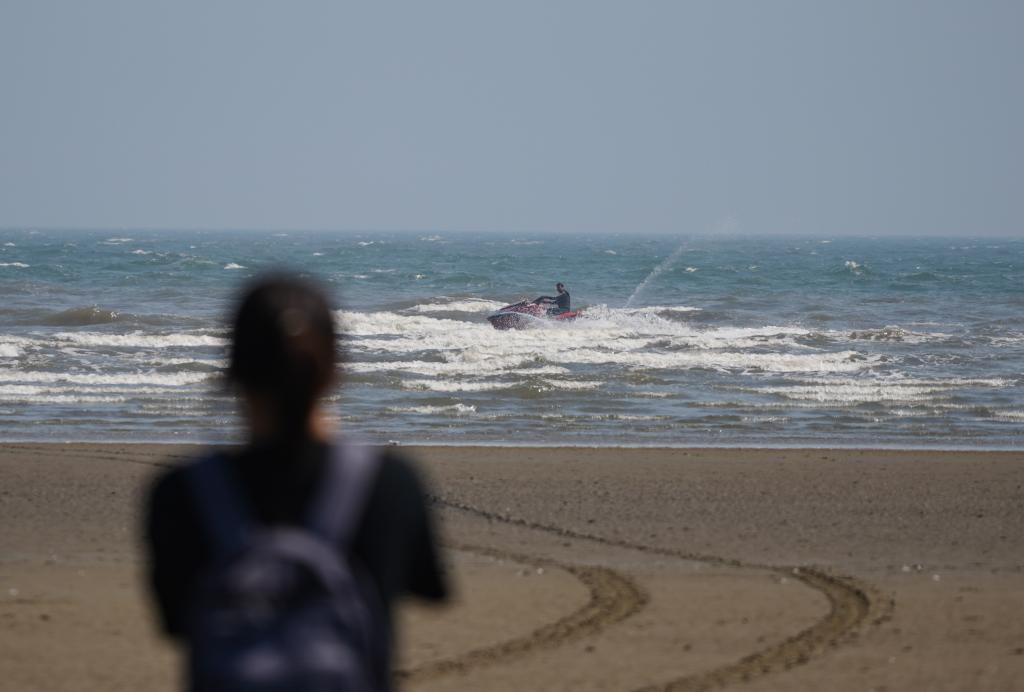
[
  {"x": 168, "y": 484},
  {"x": 169, "y": 488},
  {"x": 399, "y": 494},
  {"x": 398, "y": 473}
]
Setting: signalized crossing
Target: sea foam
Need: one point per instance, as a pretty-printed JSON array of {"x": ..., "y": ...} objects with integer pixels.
[{"x": 139, "y": 340}]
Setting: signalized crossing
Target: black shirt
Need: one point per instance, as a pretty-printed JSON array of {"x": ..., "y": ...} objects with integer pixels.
[
  {"x": 395, "y": 541},
  {"x": 561, "y": 300}
]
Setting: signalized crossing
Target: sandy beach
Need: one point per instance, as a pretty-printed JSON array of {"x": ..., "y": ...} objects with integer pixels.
[{"x": 576, "y": 568}]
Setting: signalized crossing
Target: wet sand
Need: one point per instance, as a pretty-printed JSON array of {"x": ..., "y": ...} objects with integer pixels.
[{"x": 589, "y": 569}]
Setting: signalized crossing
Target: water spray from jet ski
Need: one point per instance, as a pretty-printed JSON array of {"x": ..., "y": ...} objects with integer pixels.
[{"x": 668, "y": 262}]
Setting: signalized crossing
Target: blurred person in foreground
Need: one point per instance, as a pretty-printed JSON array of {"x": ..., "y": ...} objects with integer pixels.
[{"x": 276, "y": 565}]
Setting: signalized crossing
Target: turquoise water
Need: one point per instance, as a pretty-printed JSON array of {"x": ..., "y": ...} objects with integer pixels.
[{"x": 685, "y": 341}]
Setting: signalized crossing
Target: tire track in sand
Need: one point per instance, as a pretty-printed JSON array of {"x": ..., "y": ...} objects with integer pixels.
[
  {"x": 852, "y": 604},
  {"x": 613, "y": 597}
]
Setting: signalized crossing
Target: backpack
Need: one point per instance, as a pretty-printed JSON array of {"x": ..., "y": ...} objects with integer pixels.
[{"x": 280, "y": 607}]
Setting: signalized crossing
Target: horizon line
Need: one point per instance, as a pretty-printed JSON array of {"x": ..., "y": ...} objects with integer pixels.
[{"x": 463, "y": 231}]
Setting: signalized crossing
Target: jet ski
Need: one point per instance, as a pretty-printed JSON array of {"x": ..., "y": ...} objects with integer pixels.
[{"x": 526, "y": 314}]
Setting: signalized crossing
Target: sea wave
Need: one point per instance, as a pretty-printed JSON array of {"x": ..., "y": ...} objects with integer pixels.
[
  {"x": 886, "y": 391},
  {"x": 139, "y": 340},
  {"x": 436, "y": 385},
  {"x": 471, "y": 305},
  {"x": 8, "y": 391},
  {"x": 897, "y": 334},
  {"x": 599, "y": 324},
  {"x": 732, "y": 361},
  {"x": 633, "y": 339},
  {"x": 460, "y": 368},
  {"x": 73, "y": 317},
  {"x": 434, "y": 327},
  {"x": 65, "y": 399},
  {"x": 537, "y": 384},
  {"x": 132, "y": 379},
  {"x": 454, "y": 409}
]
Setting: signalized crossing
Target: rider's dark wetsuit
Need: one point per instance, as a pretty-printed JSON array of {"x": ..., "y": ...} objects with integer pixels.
[{"x": 561, "y": 302}]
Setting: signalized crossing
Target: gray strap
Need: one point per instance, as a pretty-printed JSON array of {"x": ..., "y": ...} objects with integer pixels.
[
  {"x": 348, "y": 480},
  {"x": 222, "y": 510}
]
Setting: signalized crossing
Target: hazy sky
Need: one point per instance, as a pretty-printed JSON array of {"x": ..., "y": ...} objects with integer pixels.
[{"x": 760, "y": 116}]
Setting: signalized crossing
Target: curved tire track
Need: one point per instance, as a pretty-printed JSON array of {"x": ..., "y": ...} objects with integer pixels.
[
  {"x": 613, "y": 598},
  {"x": 852, "y": 603}
]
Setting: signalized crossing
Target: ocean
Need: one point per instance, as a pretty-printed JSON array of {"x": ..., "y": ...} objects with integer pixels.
[{"x": 684, "y": 341}]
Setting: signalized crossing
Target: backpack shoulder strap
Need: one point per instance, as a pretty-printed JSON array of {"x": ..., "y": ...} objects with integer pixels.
[
  {"x": 348, "y": 480},
  {"x": 221, "y": 507}
]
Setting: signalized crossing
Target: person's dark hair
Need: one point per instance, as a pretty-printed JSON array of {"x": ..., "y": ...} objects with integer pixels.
[
  {"x": 559, "y": 286},
  {"x": 283, "y": 346}
]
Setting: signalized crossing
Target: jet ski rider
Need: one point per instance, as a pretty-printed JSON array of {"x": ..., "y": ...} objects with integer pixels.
[{"x": 561, "y": 301}]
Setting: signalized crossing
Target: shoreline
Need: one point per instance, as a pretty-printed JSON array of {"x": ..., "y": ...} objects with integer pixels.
[
  {"x": 581, "y": 568},
  {"x": 655, "y": 447}
]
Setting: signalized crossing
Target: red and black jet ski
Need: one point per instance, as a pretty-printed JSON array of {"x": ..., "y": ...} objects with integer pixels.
[{"x": 528, "y": 314}]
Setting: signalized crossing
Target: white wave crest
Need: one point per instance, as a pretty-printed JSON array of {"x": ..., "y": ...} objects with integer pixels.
[
  {"x": 855, "y": 393},
  {"x": 391, "y": 323},
  {"x": 902, "y": 380},
  {"x": 139, "y": 340},
  {"x": 232, "y": 265},
  {"x": 842, "y": 361},
  {"x": 503, "y": 366},
  {"x": 893, "y": 333},
  {"x": 8, "y": 391},
  {"x": 471, "y": 305},
  {"x": 67, "y": 399},
  {"x": 1011, "y": 339},
  {"x": 881, "y": 390},
  {"x": 148, "y": 358},
  {"x": 545, "y": 384},
  {"x": 132, "y": 379},
  {"x": 456, "y": 409},
  {"x": 455, "y": 386},
  {"x": 654, "y": 309},
  {"x": 634, "y": 339},
  {"x": 19, "y": 265},
  {"x": 573, "y": 385}
]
